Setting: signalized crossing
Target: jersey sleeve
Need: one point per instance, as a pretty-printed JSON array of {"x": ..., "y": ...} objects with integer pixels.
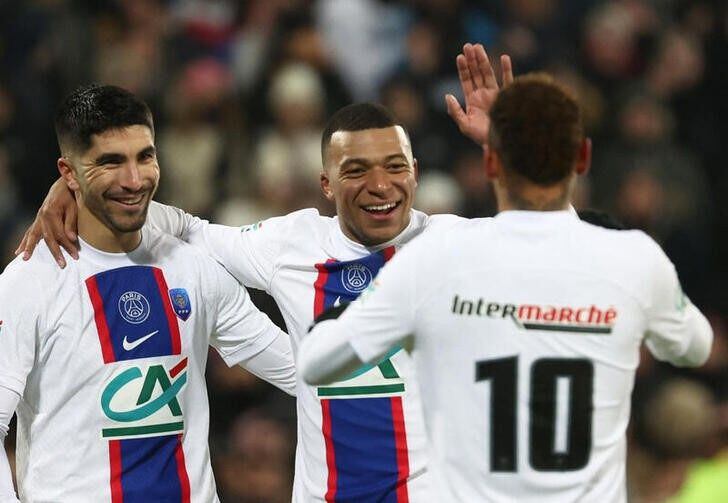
[
  {"x": 20, "y": 300},
  {"x": 385, "y": 313},
  {"x": 676, "y": 330},
  {"x": 240, "y": 330},
  {"x": 249, "y": 253}
]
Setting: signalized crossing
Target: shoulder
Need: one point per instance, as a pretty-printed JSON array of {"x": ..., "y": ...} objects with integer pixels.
[
  {"x": 167, "y": 248},
  {"x": 620, "y": 241},
  {"x": 298, "y": 222},
  {"x": 40, "y": 265},
  {"x": 630, "y": 257},
  {"x": 439, "y": 221},
  {"x": 28, "y": 281}
]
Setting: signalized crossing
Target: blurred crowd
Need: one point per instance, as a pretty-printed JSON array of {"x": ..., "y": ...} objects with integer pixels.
[{"x": 240, "y": 91}]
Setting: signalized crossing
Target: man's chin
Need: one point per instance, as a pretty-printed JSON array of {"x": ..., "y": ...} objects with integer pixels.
[
  {"x": 129, "y": 223},
  {"x": 377, "y": 236}
]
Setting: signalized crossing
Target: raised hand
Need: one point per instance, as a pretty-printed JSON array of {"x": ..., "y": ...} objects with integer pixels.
[
  {"x": 480, "y": 89},
  {"x": 56, "y": 222}
]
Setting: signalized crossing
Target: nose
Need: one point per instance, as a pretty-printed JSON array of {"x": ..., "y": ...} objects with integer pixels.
[
  {"x": 130, "y": 177},
  {"x": 378, "y": 181}
]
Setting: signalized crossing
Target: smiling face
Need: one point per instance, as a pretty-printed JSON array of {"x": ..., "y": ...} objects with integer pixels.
[
  {"x": 114, "y": 181},
  {"x": 371, "y": 176}
]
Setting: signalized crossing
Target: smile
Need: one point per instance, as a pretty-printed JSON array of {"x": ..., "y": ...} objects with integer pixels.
[
  {"x": 128, "y": 202},
  {"x": 379, "y": 209}
]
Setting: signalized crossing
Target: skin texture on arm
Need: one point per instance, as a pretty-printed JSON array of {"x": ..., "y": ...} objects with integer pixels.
[{"x": 56, "y": 222}]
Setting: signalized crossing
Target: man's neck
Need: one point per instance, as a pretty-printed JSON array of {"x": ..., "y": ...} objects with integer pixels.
[
  {"x": 534, "y": 198},
  {"x": 101, "y": 237}
]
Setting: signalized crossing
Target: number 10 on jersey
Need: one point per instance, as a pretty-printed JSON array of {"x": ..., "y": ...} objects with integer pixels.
[{"x": 549, "y": 377}]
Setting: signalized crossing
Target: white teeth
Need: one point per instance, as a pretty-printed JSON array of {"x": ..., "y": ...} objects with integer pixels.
[
  {"x": 380, "y": 207},
  {"x": 130, "y": 203}
]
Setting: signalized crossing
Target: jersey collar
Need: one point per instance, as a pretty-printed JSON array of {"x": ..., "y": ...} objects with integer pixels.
[
  {"x": 343, "y": 247},
  {"x": 521, "y": 219},
  {"x": 101, "y": 257}
]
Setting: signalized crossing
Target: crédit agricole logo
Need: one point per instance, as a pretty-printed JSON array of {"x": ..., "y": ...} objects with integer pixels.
[{"x": 142, "y": 400}]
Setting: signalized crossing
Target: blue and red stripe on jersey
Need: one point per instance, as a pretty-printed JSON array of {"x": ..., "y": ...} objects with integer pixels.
[
  {"x": 149, "y": 468},
  {"x": 366, "y": 440}
]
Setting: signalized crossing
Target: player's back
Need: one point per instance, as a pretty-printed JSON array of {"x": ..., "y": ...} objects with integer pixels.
[{"x": 526, "y": 345}]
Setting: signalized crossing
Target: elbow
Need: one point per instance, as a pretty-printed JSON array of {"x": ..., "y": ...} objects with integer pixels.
[{"x": 698, "y": 351}]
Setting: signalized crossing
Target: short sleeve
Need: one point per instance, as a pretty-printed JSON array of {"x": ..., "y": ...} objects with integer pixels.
[
  {"x": 20, "y": 301},
  {"x": 674, "y": 324},
  {"x": 240, "y": 330}
]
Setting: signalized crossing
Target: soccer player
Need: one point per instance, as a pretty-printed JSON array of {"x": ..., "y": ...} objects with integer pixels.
[
  {"x": 105, "y": 359},
  {"x": 525, "y": 328},
  {"x": 362, "y": 438}
]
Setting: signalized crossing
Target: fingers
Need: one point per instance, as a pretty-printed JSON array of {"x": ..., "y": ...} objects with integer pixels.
[
  {"x": 506, "y": 69},
  {"x": 483, "y": 67},
  {"x": 471, "y": 53},
  {"x": 466, "y": 80},
  {"x": 455, "y": 111},
  {"x": 31, "y": 238},
  {"x": 52, "y": 239},
  {"x": 69, "y": 226}
]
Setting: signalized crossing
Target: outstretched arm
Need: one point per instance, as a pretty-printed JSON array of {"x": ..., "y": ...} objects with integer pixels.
[{"x": 480, "y": 89}]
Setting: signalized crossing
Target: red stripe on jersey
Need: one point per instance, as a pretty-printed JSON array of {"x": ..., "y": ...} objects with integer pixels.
[
  {"x": 168, "y": 311},
  {"x": 102, "y": 327},
  {"x": 184, "y": 479},
  {"x": 318, "y": 286},
  {"x": 388, "y": 253},
  {"x": 178, "y": 368},
  {"x": 117, "y": 495},
  {"x": 330, "y": 457},
  {"x": 400, "y": 440}
]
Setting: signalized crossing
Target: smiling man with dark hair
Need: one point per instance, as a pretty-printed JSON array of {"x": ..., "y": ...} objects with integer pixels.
[{"x": 105, "y": 359}]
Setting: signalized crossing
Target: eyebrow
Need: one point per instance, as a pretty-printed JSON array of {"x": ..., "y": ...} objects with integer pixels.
[
  {"x": 109, "y": 158},
  {"x": 116, "y": 158},
  {"x": 367, "y": 162}
]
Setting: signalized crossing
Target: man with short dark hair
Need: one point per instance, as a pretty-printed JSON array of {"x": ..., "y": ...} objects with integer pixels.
[
  {"x": 525, "y": 328},
  {"x": 105, "y": 359}
]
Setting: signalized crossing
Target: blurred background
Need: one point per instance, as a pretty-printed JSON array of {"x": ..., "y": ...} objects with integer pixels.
[{"x": 240, "y": 91}]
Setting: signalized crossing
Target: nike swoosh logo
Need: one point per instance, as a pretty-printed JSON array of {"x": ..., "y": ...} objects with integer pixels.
[
  {"x": 128, "y": 346},
  {"x": 337, "y": 302}
]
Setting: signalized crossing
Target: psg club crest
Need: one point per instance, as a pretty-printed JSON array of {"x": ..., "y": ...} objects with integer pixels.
[
  {"x": 181, "y": 303},
  {"x": 356, "y": 277},
  {"x": 134, "y": 307}
]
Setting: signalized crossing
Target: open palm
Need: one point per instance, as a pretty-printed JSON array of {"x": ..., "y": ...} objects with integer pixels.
[{"x": 480, "y": 89}]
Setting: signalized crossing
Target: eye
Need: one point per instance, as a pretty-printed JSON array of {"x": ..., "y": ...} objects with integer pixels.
[
  {"x": 146, "y": 156},
  {"x": 398, "y": 166},
  {"x": 354, "y": 171}
]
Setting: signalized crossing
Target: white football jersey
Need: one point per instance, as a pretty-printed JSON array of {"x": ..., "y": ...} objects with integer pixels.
[
  {"x": 109, "y": 357},
  {"x": 527, "y": 329},
  {"x": 362, "y": 439}
]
